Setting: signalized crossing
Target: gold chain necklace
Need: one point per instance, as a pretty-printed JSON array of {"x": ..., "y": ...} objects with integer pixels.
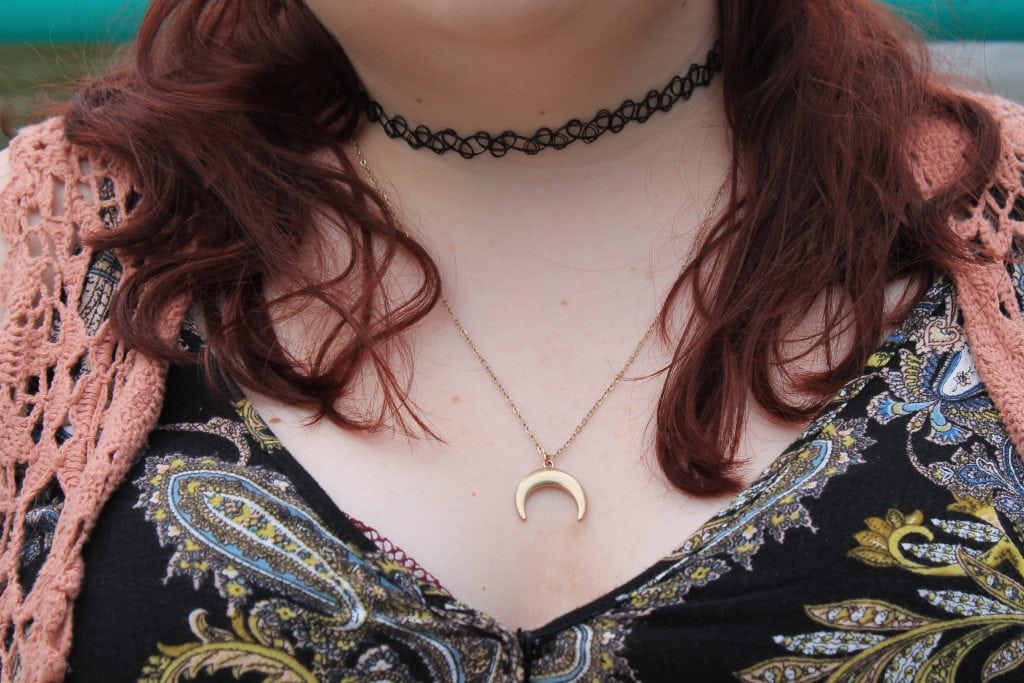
[{"x": 548, "y": 476}]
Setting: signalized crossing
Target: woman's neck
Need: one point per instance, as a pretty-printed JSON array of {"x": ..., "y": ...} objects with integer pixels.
[
  {"x": 630, "y": 198},
  {"x": 516, "y": 64}
]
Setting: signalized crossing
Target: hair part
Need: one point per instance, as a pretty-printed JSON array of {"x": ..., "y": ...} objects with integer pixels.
[{"x": 239, "y": 166}]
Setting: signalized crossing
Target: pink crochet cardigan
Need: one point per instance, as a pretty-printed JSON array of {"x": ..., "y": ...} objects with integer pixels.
[{"x": 76, "y": 405}]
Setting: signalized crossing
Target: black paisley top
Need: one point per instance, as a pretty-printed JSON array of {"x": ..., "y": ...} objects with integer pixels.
[{"x": 884, "y": 545}]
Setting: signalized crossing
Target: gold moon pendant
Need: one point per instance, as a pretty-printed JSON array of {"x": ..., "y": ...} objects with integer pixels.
[{"x": 549, "y": 477}]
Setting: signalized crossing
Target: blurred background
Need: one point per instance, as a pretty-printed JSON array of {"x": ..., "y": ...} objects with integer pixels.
[{"x": 46, "y": 46}]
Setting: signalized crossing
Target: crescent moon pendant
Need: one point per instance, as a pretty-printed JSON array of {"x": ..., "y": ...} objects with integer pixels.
[{"x": 550, "y": 477}]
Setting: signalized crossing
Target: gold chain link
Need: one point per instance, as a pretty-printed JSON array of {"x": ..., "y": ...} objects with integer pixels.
[{"x": 548, "y": 457}]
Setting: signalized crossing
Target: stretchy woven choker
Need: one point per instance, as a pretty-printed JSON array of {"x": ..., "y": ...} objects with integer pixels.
[{"x": 679, "y": 88}]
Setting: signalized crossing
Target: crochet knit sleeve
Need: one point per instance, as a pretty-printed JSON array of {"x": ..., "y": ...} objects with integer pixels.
[
  {"x": 991, "y": 288},
  {"x": 75, "y": 405}
]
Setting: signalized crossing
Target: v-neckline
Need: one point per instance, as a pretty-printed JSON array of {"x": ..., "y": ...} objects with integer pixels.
[{"x": 313, "y": 494}]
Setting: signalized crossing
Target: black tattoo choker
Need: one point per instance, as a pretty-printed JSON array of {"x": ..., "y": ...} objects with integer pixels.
[{"x": 679, "y": 88}]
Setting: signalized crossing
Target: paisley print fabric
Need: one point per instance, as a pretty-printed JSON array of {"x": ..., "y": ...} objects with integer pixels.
[{"x": 883, "y": 545}]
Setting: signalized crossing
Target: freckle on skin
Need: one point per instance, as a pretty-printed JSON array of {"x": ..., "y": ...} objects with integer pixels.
[
  {"x": 275, "y": 420},
  {"x": 542, "y": 112},
  {"x": 419, "y": 101},
  {"x": 456, "y": 398},
  {"x": 564, "y": 302},
  {"x": 632, "y": 269}
]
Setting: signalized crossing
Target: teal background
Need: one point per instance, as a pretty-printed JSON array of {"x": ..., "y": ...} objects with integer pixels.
[
  {"x": 70, "y": 21},
  {"x": 988, "y": 20},
  {"x": 47, "y": 46},
  {"x": 59, "y": 21}
]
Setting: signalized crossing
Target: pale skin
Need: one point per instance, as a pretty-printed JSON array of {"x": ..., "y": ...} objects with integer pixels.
[{"x": 556, "y": 264}]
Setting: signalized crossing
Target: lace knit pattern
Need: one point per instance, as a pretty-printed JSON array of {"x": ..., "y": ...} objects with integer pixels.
[
  {"x": 75, "y": 405},
  {"x": 986, "y": 295}
]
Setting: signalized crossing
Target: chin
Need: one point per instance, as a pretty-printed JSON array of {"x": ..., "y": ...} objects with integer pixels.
[{"x": 480, "y": 21}]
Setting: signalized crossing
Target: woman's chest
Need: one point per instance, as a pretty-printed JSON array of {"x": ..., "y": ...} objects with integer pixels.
[
  {"x": 885, "y": 538},
  {"x": 453, "y": 506},
  {"x": 452, "y": 503},
  {"x": 850, "y": 552}
]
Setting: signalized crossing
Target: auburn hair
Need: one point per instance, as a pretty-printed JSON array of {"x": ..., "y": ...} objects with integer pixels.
[{"x": 239, "y": 165}]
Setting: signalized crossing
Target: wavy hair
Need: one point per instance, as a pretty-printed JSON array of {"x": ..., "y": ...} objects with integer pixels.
[{"x": 239, "y": 165}]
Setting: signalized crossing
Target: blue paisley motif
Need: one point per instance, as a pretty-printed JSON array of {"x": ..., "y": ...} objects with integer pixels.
[
  {"x": 257, "y": 530},
  {"x": 947, "y": 394},
  {"x": 992, "y": 477},
  {"x": 771, "y": 505},
  {"x": 245, "y": 527}
]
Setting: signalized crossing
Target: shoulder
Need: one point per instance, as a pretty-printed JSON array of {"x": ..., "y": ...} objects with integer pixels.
[
  {"x": 37, "y": 158},
  {"x": 5, "y": 168},
  {"x": 5, "y": 181},
  {"x": 940, "y": 144},
  {"x": 1009, "y": 113},
  {"x": 940, "y": 150},
  {"x": 1009, "y": 116},
  {"x": 37, "y": 147},
  {"x": 989, "y": 282},
  {"x": 55, "y": 198},
  {"x": 59, "y": 189},
  {"x": 56, "y": 352}
]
